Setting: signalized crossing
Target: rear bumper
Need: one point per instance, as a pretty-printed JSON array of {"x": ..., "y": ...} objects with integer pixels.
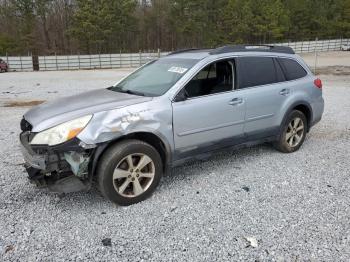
[
  {"x": 63, "y": 168},
  {"x": 317, "y": 109}
]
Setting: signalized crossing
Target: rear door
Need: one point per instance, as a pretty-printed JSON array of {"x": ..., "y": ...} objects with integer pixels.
[
  {"x": 212, "y": 115},
  {"x": 261, "y": 81}
]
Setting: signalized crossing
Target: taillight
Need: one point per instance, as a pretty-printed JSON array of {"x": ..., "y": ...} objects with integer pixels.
[{"x": 318, "y": 83}]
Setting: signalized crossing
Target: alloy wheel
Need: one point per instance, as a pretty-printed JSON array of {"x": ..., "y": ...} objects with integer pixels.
[
  {"x": 133, "y": 175},
  {"x": 295, "y": 132}
]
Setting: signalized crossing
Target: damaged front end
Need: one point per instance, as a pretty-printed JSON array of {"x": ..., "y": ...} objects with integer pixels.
[{"x": 62, "y": 168}]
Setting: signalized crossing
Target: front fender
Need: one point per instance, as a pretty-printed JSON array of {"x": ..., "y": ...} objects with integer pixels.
[{"x": 109, "y": 125}]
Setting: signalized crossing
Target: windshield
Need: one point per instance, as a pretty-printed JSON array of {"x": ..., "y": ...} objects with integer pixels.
[{"x": 155, "y": 78}]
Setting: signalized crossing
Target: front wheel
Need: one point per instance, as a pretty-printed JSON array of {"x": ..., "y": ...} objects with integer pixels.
[
  {"x": 129, "y": 172},
  {"x": 293, "y": 133}
]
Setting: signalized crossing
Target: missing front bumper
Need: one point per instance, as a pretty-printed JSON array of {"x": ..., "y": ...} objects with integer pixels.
[{"x": 63, "y": 168}]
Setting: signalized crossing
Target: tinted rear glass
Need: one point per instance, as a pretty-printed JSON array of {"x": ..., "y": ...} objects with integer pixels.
[
  {"x": 255, "y": 71},
  {"x": 292, "y": 69}
]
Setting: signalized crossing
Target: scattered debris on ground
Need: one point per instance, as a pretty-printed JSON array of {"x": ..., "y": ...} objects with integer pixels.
[
  {"x": 9, "y": 248},
  {"x": 245, "y": 188},
  {"x": 252, "y": 242},
  {"x": 107, "y": 242}
]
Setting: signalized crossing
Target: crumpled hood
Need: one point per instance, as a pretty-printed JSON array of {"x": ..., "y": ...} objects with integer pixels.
[{"x": 64, "y": 109}]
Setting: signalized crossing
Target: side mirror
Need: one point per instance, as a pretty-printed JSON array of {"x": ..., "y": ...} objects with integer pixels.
[{"x": 181, "y": 96}]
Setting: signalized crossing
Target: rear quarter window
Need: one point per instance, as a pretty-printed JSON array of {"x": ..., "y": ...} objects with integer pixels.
[{"x": 292, "y": 69}]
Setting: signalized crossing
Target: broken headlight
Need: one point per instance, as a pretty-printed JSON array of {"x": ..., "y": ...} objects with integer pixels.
[{"x": 61, "y": 133}]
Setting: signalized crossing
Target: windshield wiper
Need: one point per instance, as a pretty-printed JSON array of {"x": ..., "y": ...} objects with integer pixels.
[
  {"x": 128, "y": 91},
  {"x": 132, "y": 92}
]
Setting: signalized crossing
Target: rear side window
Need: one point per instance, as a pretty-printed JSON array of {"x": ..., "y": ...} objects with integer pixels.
[
  {"x": 256, "y": 71},
  {"x": 291, "y": 68}
]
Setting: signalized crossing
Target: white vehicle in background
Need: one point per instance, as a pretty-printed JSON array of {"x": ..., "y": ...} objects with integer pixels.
[{"x": 345, "y": 47}]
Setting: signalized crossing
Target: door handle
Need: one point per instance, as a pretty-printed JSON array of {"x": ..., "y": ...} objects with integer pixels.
[
  {"x": 284, "y": 92},
  {"x": 236, "y": 101}
]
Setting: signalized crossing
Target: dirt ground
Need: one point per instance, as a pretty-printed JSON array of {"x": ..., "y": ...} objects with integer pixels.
[{"x": 337, "y": 62}]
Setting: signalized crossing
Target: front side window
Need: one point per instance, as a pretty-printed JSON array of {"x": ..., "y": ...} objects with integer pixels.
[
  {"x": 155, "y": 78},
  {"x": 256, "y": 71},
  {"x": 207, "y": 72},
  {"x": 214, "y": 78}
]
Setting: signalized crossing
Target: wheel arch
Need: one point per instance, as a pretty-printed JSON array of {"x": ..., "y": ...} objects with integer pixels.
[
  {"x": 154, "y": 139},
  {"x": 307, "y": 111},
  {"x": 302, "y": 106}
]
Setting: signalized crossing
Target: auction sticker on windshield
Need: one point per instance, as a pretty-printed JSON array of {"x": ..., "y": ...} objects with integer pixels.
[{"x": 179, "y": 70}]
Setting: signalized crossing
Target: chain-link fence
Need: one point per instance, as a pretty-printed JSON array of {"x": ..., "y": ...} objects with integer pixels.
[{"x": 125, "y": 60}]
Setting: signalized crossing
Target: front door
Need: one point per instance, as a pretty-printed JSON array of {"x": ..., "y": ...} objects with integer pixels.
[{"x": 212, "y": 115}]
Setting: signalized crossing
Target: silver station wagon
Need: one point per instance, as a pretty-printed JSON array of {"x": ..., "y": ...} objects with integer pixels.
[{"x": 186, "y": 105}]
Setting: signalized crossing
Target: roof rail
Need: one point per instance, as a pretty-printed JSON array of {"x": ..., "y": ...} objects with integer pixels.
[
  {"x": 252, "y": 48},
  {"x": 183, "y": 50}
]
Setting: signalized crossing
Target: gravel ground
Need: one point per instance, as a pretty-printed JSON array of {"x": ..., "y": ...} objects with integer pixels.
[{"x": 252, "y": 204}]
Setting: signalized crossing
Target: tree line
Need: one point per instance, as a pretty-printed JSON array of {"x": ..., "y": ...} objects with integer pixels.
[{"x": 110, "y": 26}]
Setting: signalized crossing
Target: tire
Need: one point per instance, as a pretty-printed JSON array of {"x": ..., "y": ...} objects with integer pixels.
[
  {"x": 293, "y": 132},
  {"x": 118, "y": 176}
]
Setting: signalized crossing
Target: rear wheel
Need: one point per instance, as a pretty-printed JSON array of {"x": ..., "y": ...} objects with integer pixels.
[
  {"x": 129, "y": 172},
  {"x": 292, "y": 133}
]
